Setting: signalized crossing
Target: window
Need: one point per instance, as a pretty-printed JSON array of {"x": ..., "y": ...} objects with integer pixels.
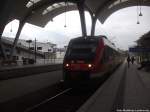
[
  {"x": 7, "y": 50},
  {"x": 82, "y": 50},
  {"x": 18, "y": 51},
  {"x": 39, "y": 48},
  {"x": 15, "y": 58},
  {"x": 108, "y": 54}
]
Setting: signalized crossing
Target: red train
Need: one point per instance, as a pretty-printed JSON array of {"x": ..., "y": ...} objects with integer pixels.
[{"x": 90, "y": 57}]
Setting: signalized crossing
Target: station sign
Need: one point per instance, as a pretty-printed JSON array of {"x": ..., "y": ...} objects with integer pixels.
[{"x": 139, "y": 49}]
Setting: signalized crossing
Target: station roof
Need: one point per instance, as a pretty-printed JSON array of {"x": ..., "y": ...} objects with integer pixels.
[
  {"x": 39, "y": 12},
  {"x": 144, "y": 40}
]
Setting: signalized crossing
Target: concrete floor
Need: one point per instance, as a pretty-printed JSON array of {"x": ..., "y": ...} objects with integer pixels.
[{"x": 127, "y": 90}]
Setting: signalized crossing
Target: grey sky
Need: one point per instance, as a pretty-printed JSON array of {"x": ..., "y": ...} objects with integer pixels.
[{"x": 120, "y": 27}]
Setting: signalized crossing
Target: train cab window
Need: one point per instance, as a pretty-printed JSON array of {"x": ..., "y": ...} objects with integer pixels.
[{"x": 82, "y": 50}]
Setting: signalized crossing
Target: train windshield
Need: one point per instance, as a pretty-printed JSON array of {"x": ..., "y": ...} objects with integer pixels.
[{"x": 82, "y": 50}]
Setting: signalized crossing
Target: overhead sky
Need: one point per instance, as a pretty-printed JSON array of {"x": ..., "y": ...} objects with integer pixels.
[{"x": 121, "y": 28}]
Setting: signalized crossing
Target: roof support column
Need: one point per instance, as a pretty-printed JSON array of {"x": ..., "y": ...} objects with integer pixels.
[
  {"x": 2, "y": 51},
  {"x": 21, "y": 24},
  {"x": 80, "y": 6},
  {"x": 5, "y": 8},
  {"x": 94, "y": 19}
]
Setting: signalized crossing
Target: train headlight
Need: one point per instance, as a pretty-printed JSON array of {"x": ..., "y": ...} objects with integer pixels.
[
  {"x": 67, "y": 65},
  {"x": 89, "y": 65}
]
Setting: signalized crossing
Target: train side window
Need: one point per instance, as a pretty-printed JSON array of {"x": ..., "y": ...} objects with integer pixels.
[{"x": 105, "y": 56}]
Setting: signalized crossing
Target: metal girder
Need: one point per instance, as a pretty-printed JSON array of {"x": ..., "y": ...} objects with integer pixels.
[
  {"x": 94, "y": 19},
  {"x": 5, "y": 13},
  {"x": 1, "y": 45},
  {"x": 80, "y": 6},
  {"x": 2, "y": 48},
  {"x": 21, "y": 24},
  {"x": 101, "y": 7}
]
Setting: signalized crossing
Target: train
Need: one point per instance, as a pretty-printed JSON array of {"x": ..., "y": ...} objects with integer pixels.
[{"x": 90, "y": 57}]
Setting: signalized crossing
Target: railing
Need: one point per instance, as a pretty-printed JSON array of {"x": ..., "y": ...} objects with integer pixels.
[
  {"x": 38, "y": 62},
  {"x": 50, "y": 61}
]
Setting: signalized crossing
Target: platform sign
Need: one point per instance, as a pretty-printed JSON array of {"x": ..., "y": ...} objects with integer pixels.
[{"x": 138, "y": 49}]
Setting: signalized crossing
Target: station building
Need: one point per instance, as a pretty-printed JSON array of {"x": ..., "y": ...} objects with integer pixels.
[{"x": 25, "y": 50}]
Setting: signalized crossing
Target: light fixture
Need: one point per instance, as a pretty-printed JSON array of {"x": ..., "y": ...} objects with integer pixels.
[
  {"x": 138, "y": 22},
  {"x": 93, "y": 15},
  {"x": 66, "y": 5},
  {"x": 11, "y": 27},
  {"x": 140, "y": 14}
]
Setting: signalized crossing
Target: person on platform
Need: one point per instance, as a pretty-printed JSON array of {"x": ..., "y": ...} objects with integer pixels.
[
  {"x": 128, "y": 61},
  {"x": 132, "y": 59}
]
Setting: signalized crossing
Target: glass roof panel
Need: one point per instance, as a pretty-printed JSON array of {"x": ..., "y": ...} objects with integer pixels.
[
  {"x": 62, "y": 3},
  {"x": 31, "y": 2},
  {"x": 54, "y": 6},
  {"x": 50, "y": 8},
  {"x": 117, "y": 2},
  {"x": 35, "y": 1},
  {"x": 44, "y": 12}
]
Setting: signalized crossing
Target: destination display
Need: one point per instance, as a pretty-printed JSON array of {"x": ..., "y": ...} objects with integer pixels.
[{"x": 139, "y": 49}]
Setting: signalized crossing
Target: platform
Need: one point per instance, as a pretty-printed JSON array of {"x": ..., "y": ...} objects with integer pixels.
[
  {"x": 28, "y": 70},
  {"x": 17, "y": 87},
  {"x": 127, "y": 90}
]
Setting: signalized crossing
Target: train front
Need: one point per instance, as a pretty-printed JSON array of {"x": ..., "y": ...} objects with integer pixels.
[{"x": 79, "y": 58}]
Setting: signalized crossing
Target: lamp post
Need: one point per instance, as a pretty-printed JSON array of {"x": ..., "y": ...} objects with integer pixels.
[
  {"x": 35, "y": 51},
  {"x": 29, "y": 42}
]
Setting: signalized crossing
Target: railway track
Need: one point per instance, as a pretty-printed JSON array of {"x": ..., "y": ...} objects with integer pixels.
[
  {"x": 56, "y": 98},
  {"x": 68, "y": 100},
  {"x": 35, "y": 107}
]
